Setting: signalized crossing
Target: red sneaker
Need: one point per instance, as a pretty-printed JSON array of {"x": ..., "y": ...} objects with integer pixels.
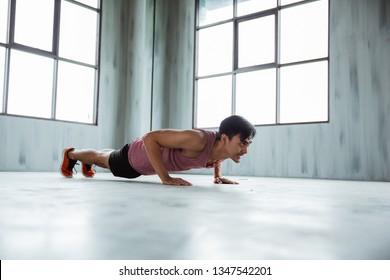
[
  {"x": 87, "y": 170},
  {"x": 68, "y": 164}
]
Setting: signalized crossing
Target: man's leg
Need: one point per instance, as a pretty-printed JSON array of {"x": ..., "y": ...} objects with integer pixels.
[
  {"x": 90, "y": 157},
  {"x": 87, "y": 157}
]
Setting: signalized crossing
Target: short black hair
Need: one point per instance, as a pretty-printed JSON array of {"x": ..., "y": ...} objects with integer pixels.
[{"x": 235, "y": 125}]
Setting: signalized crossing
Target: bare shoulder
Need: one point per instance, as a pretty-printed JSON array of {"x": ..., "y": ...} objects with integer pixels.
[
  {"x": 195, "y": 144},
  {"x": 197, "y": 133},
  {"x": 191, "y": 139},
  {"x": 196, "y": 139}
]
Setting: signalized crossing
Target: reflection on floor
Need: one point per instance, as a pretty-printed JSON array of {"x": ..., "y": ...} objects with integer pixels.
[{"x": 45, "y": 216}]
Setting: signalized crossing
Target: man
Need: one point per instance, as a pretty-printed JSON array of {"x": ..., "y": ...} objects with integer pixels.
[{"x": 163, "y": 151}]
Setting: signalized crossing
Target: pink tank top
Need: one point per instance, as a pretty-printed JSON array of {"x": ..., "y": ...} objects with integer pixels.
[{"x": 172, "y": 158}]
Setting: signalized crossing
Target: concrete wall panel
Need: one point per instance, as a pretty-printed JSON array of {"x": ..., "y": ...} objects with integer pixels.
[{"x": 173, "y": 64}]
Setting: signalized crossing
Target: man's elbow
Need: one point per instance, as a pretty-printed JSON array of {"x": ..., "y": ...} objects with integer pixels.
[{"x": 149, "y": 138}]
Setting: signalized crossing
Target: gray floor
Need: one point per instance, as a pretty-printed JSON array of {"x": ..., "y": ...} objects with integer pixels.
[{"x": 45, "y": 216}]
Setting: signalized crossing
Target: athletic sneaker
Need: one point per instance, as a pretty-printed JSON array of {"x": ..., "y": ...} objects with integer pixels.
[
  {"x": 68, "y": 164},
  {"x": 87, "y": 170}
]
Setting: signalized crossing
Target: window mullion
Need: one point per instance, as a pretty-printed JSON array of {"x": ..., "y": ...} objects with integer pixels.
[
  {"x": 12, "y": 22},
  {"x": 233, "y": 94},
  {"x": 56, "y": 27},
  {"x": 95, "y": 98},
  {"x": 11, "y": 36},
  {"x": 97, "y": 64},
  {"x": 55, "y": 50},
  {"x": 277, "y": 60},
  {"x": 6, "y": 80},
  {"x": 235, "y": 65},
  {"x": 235, "y": 56},
  {"x": 54, "y": 91}
]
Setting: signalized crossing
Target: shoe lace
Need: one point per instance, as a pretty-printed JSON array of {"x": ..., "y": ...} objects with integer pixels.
[
  {"x": 74, "y": 169},
  {"x": 71, "y": 167}
]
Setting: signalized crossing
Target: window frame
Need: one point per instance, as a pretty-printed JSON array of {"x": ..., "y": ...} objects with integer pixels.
[
  {"x": 277, "y": 65},
  {"x": 11, "y": 45}
]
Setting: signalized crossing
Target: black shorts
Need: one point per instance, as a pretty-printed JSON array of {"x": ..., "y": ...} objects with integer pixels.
[{"x": 119, "y": 164}]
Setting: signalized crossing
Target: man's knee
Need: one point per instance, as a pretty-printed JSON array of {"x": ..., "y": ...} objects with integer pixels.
[{"x": 102, "y": 158}]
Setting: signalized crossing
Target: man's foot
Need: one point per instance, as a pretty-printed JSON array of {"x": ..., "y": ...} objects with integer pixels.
[
  {"x": 88, "y": 171},
  {"x": 68, "y": 164}
]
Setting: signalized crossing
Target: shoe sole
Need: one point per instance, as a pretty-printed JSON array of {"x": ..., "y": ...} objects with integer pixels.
[{"x": 86, "y": 176}]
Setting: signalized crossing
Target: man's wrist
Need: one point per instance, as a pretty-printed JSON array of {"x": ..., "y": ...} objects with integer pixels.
[{"x": 165, "y": 177}]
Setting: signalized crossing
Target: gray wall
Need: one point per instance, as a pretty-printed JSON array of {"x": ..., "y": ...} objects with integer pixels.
[
  {"x": 160, "y": 53},
  {"x": 146, "y": 83},
  {"x": 173, "y": 64},
  {"x": 139, "y": 72}
]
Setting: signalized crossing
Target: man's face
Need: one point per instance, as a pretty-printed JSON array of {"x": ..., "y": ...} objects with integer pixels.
[{"x": 237, "y": 148}]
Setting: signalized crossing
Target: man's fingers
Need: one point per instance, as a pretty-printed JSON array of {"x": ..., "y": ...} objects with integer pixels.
[
  {"x": 184, "y": 182},
  {"x": 177, "y": 182},
  {"x": 220, "y": 180}
]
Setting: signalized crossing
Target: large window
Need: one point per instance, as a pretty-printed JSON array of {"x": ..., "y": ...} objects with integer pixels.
[
  {"x": 266, "y": 60},
  {"x": 49, "y": 62}
]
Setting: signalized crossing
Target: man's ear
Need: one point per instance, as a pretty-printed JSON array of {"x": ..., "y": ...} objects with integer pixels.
[{"x": 224, "y": 138}]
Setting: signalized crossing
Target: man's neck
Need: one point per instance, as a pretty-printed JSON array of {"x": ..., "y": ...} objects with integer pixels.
[{"x": 218, "y": 151}]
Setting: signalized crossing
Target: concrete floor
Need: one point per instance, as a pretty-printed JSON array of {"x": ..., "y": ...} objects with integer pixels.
[{"x": 45, "y": 216}]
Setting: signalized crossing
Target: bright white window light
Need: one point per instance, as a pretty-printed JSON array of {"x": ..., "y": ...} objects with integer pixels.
[
  {"x": 245, "y": 7},
  {"x": 304, "y": 93},
  {"x": 287, "y": 2},
  {"x": 78, "y": 34},
  {"x": 214, "y": 11},
  {"x": 215, "y": 48},
  {"x": 34, "y": 23},
  {"x": 3, "y": 20},
  {"x": 214, "y": 100},
  {"x": 256, "y": 96},
  {"x": 256, "y": 41},
  {"x": 92, "y": 3},
  {"x": 30, "y": 85},
  {"x": 75, "y": 93},
  {"x": 304, "y": 32}
]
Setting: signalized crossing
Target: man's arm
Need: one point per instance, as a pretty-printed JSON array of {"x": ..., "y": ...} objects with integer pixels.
[
  {"x": 218, "y": 179},
  {"x": 190, "y": 141}
]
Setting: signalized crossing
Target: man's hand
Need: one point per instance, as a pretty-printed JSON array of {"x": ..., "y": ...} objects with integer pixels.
[
  {"x": 176, "y": 182},
  {"x": 221, "y": 180}
]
